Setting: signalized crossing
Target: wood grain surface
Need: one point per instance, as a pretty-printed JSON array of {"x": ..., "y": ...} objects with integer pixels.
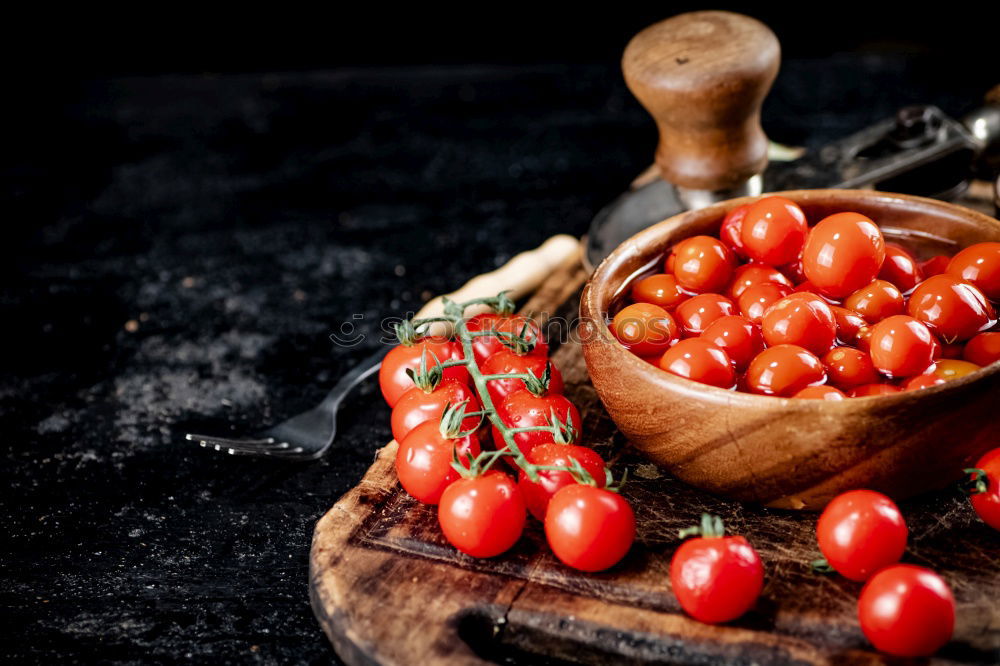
[{"x": 387, "y": 588}]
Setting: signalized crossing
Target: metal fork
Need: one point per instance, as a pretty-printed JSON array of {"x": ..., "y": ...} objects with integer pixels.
[{"x": 306, "y": 436}]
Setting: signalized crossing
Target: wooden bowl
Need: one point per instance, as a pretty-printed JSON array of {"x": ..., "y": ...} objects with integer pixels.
[{"x": 795, "y": 454}]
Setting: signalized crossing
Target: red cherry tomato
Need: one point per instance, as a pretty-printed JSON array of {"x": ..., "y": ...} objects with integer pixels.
[
  {"x": 537, "y": 494},
  {"x": 847, "y": 367},
  {"x": 987, "y": 504},
  {"x": 695, "y": 314},
  {"x": 800, "y": 319},
  {"x": 699, "y": 360},
  {"x": 980, "y": 265},
  {"x": 901, "y": 346},
  {"x": 729, "y": 232},
  {"x": 849, "y": 323},
  {"x": 751, "y": 274},
  {"x": 482, "y": 516},
  {"x": 424, "y": 457},
  {"x": 392, "y": 377},
  {"x": 774, "y": 231},
  {"x": 524, "y": 409},
  {"x": 486, "y": 345},
  {"x": 876, "y": 301},
  {"x": 983, "y": 349},
  {"x": 507, "y": 362},
  {"x": 588, "y": 528},
  {"x": 861, "y": 531},
  {"x": 703, "y": 264},
  {"x": 953, "y": 309},
  {"x": 757, "y": 298},
  {"x": 907, "y": 611},
  {"x": 922, "y": 381},
  {"x": 935, "y": 265},
  {"x": 844, "y": 252},
  {"x": 716, "y": 578},
  {"x": 417, "y": 406},
  {"x": 949, "y": 350},
  {"x": 869, "y": 390},
  {"x": 820, "y": 393},
  {"x": 660, "y": 289},
  {"x": 739, "y": 338},
  {"x": 644, "y": 328},
  {"x": 900, "y": 268},
  {"x": 784, "y": 370}
]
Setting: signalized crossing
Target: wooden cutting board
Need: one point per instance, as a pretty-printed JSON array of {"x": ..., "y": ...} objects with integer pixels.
[{"x": 388, "y": 589}]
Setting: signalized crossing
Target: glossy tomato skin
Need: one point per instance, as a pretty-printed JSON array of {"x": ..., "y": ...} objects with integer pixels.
[
  {"x": 849, "y": 323},
  {"x": 537, "y": 494},
  {"x": 392, "y": 377},
  {"x": 703, "y": 264},
  {"x": 953, "y": 309},
  {"x": 507, "y": 362},
  {"x": 417, "y": 406},
  {"x": 751, "y": 274},
  {"x": 821, "y": 393},
  {"x": 901, "y": 346},
  {"x": 774, "y": 231},
  {"x": 738, "y": 337},
  {"x": 847, "y": 367},
  {"x": 800, "y": 319},
  {"x": 661, "y": 289},
  {"x": 716, "y": 579},
  {"x": 936, "y": 265},
  {"x": 701, "y": 361},
  {"x": 524, "y": 409},
  {"x": 922, "y": 381},
  {"x": 424, "y": 457},
  {"x": 482, "y": 516},
  {"x": 646, "y": 329},
  {"x": 588, "y": 528},
  {"x": 844, "y": 252},
  {"x": 486, "y": 345},
  {"x": 987, "y": 504},
  {"x": 979, "y": 264},
  {"x": 784, "y": 370},
  {"x": 861, "y": 531},
  {"x": 983, "y": 349},
  {"x": 876, "y": 301},
  {"x": 907, "y": 611},
  {"x": 870, "y": 390},
  {"x": 729, "y": 232},
  {"x": 951, "y": 368},
  {"x": 757, "y": 298},
  {"x": 900, "y": 268},
  {"x": 695, "y": 314}
]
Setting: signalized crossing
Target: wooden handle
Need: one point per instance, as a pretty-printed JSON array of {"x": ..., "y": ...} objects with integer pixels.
[
  {"x": 703, "y": 77},
  {"x": 519, "y": 276}
]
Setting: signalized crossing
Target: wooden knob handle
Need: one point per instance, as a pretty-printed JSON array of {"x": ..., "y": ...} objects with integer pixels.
[{"x": 703, "y": 77}]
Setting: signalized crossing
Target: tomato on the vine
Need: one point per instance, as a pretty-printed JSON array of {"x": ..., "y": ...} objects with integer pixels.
[
  {"x": 424, "y": 457},
  {"x": 984, "y": 486},
  {"x": 417, "y": 406},
  {"x": 774, "y": 231},
  {"x": 900, "y": 268},
  {"x": 589, "y": 528},
  {"x": 508, "y": 362},
  {"x": 861, "y": 531},
  {"x": 980, "y": 265},
  {"x": 953, "y": 309},
  {"x": 537, "y": 494},
  {"x": 696, "y": 313},
  {"x": 738, "y": 337},
  {"x": 843, "y": 253},
  {"x": 392, "y": 376},
  {"x": 876, "y": 301},
  {"x": 907, "y": 611},
  {"x": 644, "y": 328},
  {"x": 784, "y": 370},
  {"x": 699, "y": 360},
  {"x": 660, "y": 289},
  {"x": 901, "y": 346},
  {"x": 983, "y": 349},
  {"x": 484, "y": 346},
  {"x": 847, "y": 367},
  {"x": 703, "y": 264},
  {"x": 524, "y": 409},
  {"x": 484, "y": 515},
  {"x": 800, "y": 319},
  {"x": 732, "y": 224}
]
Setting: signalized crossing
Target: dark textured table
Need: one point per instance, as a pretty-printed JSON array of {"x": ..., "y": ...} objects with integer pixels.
[{"x": 178, "y": 252}]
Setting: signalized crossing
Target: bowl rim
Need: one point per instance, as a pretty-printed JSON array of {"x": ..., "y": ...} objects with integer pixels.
[{"x": 591, "y": 311}]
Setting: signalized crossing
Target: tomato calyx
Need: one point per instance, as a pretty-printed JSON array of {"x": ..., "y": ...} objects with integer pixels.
[
  {"x": 519, "y": 342},
  {"x": 424, "y": 377},
  {"x": 979, "y": 483},
  {"x": 821, "y": 566},
  {"x": 452, "y": 418},
  {"x": 407, "y": 333},
  {"x": 711, "y": 527}
]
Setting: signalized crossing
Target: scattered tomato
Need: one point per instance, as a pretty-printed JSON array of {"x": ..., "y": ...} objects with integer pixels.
[
  {"x": 644, "y": 328},
  {"x": 699, "y": 360},
  {"x": 844, "y": 252},
  {"x": 695, "y": 314},
  {"x": 861, "y": 531},
  {"x": 907, "y": 611},
  {"x": 800, "y": 319},
  {"x": 589, "y": 528},
  {"x": 784, "y": 370},
  {"x": 482, "y": 516},
  {"x": 985, "y": 495},
  {"x": 980, "y": 265},
  {"x": 550, "y": 481},
  {"x": 424, "y": 457},
  {"x": 774, "y": 231},
  {"x": 953, "y": 309}
]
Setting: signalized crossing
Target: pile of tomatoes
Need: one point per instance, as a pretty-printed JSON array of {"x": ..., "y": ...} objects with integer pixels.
[{"x": 776, "y": 307}]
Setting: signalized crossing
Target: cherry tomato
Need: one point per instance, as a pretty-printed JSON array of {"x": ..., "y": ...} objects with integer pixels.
[
  {"x": 847, "y": 367},
  {"x": 424, "y": 457},
  {"x": 757, "y": 298},
  {"x": 588, "y": 528},
  {"x": 784, "y": 370},
  {"x": 739, "y": 338},
  {"x": 922, "y": 381},
  {"x": 949, "y": 368},
  {"x": 844, "y": 252},
  {"x": 524, "y": 409},
  {"x": 537, "y": 494},
  {"x": 987, "y": 504},
  {"x": 729, "y": 232},
  {"x": 849, "y": 323},
  {"x": 935, "y": 265},
  {"x": 983, "y": 349},
  {"x": 876, "y": 301},
  {"x": 863, "y": 338},
  {"x": 507, "y": 362},
  {"x": 980, "y": 265},
  {"x": 820, "y": 393},
  {"x": 699, "y": 360},
  {"x": 716, "y": 578},
  {"x": 482, "y": 516},
  {"x": 703, "y": 264},
  {"x": 800, "y": 319},
  {"x": 861, "y": 531},
  {"x": 774, "y": 231},
  {"x": 900, "y": 268},
  {"x": 907, "y": 611},
  {"x": 660, "y": 289},
  {"x": 644, "y": 328},
  {"x": 695, "y": 314},
  {"x": 901, "y": 346},
  {"x": 392, "y": 377},
  {"x": 869, "y": 390},
  {"x": 953, "y": 309},
  {"x": 751, "y": 274},
  {"x": 485, "y": 346},
  {"x": 417, "y": 406}
]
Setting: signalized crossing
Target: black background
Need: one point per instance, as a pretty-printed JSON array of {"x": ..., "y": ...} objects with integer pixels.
[{"x": 240, "y": 183}]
